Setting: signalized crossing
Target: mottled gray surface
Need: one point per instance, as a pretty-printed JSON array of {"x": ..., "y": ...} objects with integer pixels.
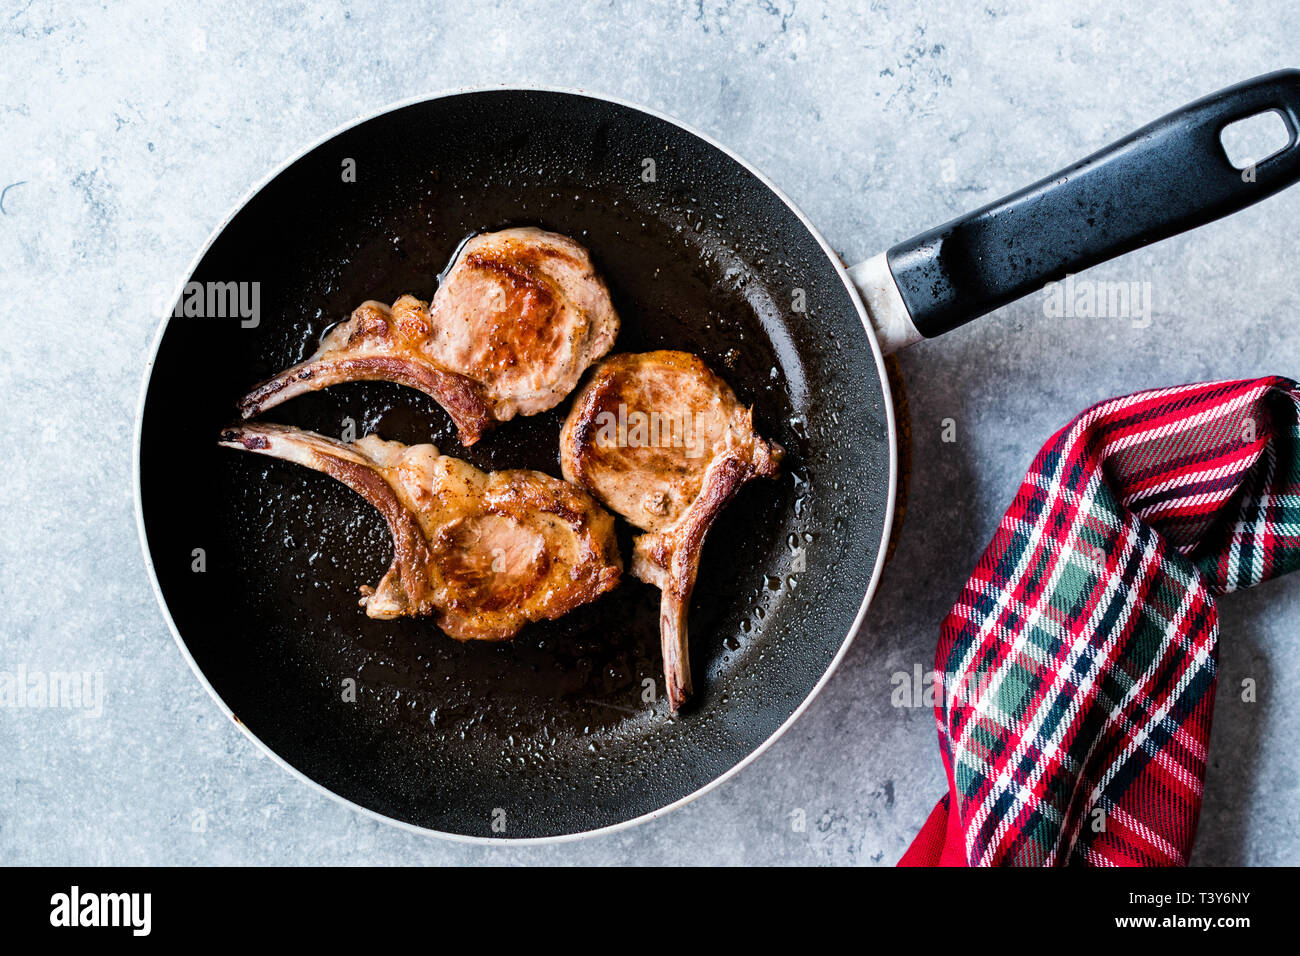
[{"x": 134, "y": 129}]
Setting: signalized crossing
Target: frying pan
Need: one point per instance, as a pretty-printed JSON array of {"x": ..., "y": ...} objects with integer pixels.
[{"x": 257, "y": 562}]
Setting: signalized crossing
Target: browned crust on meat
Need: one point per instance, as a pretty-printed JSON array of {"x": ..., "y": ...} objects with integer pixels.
[
  {"x": 578, "y": 436},
  {"x": 426, "y": 576},
  {"x": 533, "y": 254},
  {"x": 668, "y": 559},
  {"x": 525, "y": 359},
  {"x": 464, "y": 625},
  {"x": 597, "y": 566},
  {"x": 606, "y": 384},
  {"x": 518, "y": 272},
  {"x": 600, "y": 562}
]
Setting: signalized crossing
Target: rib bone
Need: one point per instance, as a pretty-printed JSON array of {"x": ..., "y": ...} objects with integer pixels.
[
  {"x": 665, "y": 443},
  {"x": 519, "y": 317},
  {"x": 485, "y": 552}
]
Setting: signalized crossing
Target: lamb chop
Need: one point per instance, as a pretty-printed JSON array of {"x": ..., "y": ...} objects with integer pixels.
[
  {"x": 485, "y": 552},
  {"x": 518, "y": 318},
  {"x": 665, "y": 443}
]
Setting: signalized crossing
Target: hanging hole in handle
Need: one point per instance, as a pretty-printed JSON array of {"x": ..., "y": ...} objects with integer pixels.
[{"x": 1248, "y": 142}]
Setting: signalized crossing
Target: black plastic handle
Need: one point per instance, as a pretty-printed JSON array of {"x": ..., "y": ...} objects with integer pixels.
[{"x": 1167, "y": 177}]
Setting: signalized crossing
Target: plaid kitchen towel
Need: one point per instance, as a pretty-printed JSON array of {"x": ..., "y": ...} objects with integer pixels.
[{"x": 1077, "y": 669}]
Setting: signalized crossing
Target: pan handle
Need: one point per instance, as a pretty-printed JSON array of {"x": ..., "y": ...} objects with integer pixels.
[{"x": 1168, "y": 177}]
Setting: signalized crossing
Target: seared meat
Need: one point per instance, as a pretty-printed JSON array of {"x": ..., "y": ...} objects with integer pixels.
[
  {"x": 518, "y": 318},
  {"x": 484, "y": 552},
  {"x": 665, "y": 443}
]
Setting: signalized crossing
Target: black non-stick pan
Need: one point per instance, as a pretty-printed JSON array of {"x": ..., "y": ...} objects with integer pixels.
[{"x": 257, "y": 562}]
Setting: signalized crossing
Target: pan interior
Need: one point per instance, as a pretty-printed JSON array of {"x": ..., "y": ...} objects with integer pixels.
[{"x": 550, "y": 734}]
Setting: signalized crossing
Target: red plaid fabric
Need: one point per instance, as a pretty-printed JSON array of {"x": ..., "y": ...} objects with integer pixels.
[{"x": 1078, "y": 666}]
